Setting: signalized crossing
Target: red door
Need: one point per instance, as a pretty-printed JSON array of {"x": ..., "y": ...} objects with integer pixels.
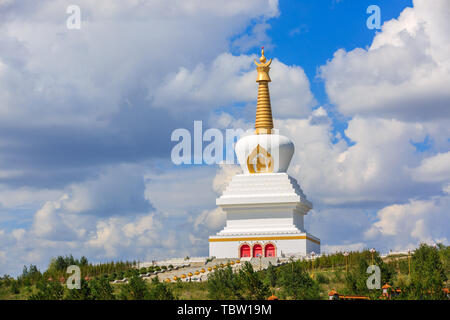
[
  {"x": 269, "y": 250},
  {"x": 257, "y": 250},
  {"x": 245, "y": 251}
]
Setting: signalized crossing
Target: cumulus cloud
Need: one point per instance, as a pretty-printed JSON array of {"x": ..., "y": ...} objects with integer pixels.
[
  {"x": 50, "y": 224},
  {"x": 396, "y": 94},
  {"x": 77, "y": 122},
  {"x": 26, "y": 196},
  {"x": 81, "y": 222},
  {"x": 404, "y": 73},
  {"x": 433, "y": 169},
  {"x": 92, "y": 167},
  {"x": 223, "y": 177},
  {"x": 69, "y": 72},
  {"x": 211, "y": 219},
  {"x": 85, "y": 93},
  {"x": 405, "y": 225},
  {"x": 373, "y": 169},
  {"x": 230, "y": 79},
  {"x": 190, "y": 187}
]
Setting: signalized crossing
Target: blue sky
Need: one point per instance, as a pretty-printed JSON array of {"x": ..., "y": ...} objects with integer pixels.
[
  {"x": 86, "y": 118},
  {"x": 307, "y": 33}
]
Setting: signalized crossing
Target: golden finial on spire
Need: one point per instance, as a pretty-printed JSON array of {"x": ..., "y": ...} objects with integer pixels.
[
  {"x": 263, "y": 68},
  {"x": 264, "y": 122},
  {"x": 262, "y": 59}
]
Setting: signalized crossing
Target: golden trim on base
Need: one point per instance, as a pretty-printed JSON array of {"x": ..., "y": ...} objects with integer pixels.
[{"x": 264, "y": 238}]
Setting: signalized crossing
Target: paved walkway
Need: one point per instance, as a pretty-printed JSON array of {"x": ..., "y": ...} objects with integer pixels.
[{"x": 203, "y": 270}]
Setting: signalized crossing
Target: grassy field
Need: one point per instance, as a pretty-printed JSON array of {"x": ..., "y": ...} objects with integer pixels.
[
  {"x": 195, "y": 290},
  {"x": 327, "y": 279},
  {"x": 325, "y": 274}
]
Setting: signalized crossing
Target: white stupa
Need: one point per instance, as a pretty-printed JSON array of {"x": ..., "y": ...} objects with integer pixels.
[{"x": 264, "y": 206}]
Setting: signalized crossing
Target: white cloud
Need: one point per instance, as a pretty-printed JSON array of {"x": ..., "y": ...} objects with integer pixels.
[
  {"x": 411, "y": 223},
  {"x": 212, "y": 219},
  {"x": 433, "y": 169},
  {"x": 375, "y": 191},
  {"x": 337, "y": 226},
  {"x": 180, "y": 192},
  {"x": 225, "y": 120},
  {"x": 405, "y": 72},
  {"x": 109, "y": 238},
  {"x": 230, "y": 79},
  {"x": 77, "y": 223},
  {"x": 446, "y": 189},
  {"x": 25, "y": 196},
  {"x": 255, "y": 38},
  {"x": 396, "y": 93},
  {"x": 375, "y": 169},
  {"x": 117, "y": 190},
  {"x": 49, "y": 74},
  {"x": 342, "y": 248},
  {"x": 223, "y": 177},
  {"x": 49, "y": 224},
  {"x": 52, "y": 98}
]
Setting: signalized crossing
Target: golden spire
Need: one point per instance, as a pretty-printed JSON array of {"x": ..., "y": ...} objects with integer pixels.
[{"x": 264, "y": 122}]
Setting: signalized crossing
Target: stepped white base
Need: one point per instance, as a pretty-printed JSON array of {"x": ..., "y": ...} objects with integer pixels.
[{"x": 263, "y": 209}]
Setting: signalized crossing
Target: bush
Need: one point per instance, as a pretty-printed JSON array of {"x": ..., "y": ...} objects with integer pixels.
[
  {"x": 253, "y": 288},
  {"x": 356, "y": 278},
  {"x": 136, "y": 289},
  {"x": 48, "y": 290},
  {"x": 131, "y": 273},
  {"x": 427, "y": 274},
  {"x": 297, "y": 284},
  {"x": 160, "y": 291},
  {"x": 101, "y": 290},
  {"x": 322, "y": 279},
  {"x": 84, "y": 293},
  {"x": 223, "y": 285},
  {"x": 337, "y": 275},
  {"x": 403, "y": 266},
  {"x": 15, "y": 288},
  {"x": 271, "y": 275},
  {"x": 401, "y": 281}
]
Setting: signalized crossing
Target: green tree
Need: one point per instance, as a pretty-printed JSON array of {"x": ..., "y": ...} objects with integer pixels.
[
  {"x": 271, "y": 275},
  {"x": 444, "y": 253},
  {"x": 160, "y": 291},
  {"x": 101, "y": 289},
  {"x": 356, "y": 278},
  {"x": 84, "y": 293},
  {"x": 427, "y": 274},
  {"x": 253, "y": 288},
  {"x": 322, "y": 279},
  {"x": 131, "y": 273},
  {"x": 84, "y": 261},
  {"x": 135, "y": 289},
  {"x": 297, "y": 284},
  {"x": 223, "y": 284},
  {"x": 143, "y": 270},
  {"x": 15, "y": 287},
  {"x": 48, "y": 290}
]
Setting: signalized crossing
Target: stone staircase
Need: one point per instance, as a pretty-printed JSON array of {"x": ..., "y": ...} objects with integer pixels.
[{"x": 257, "y": 264}]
